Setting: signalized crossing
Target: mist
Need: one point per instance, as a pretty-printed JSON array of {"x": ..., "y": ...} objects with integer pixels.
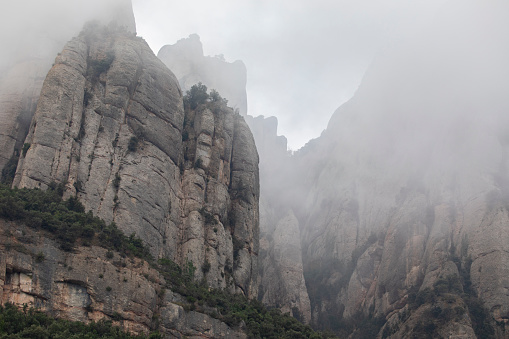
[
  {"x": 398, "y": 115},
  {"x": 39, "y": 29},
  {"x": 304, "y": 59}
]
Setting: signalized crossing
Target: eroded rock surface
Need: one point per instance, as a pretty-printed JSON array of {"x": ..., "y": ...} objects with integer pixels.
[
  {"x": 90, "y": 285},
  {"x": 110, "y": 125},
  {"x": 406, "y": 192},
  {"x": 26, "y": 61}
]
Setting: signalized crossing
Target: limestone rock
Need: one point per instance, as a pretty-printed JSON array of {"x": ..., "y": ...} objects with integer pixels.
[
  {"x": 23, "y": 67},
  {"x": 110, "y": 126},
  {"x": 221, "y": 191},
  {"x": 282, "y": 279},
  {"x": 89, "y": 285},
  {"x": 95, "y": 101}
]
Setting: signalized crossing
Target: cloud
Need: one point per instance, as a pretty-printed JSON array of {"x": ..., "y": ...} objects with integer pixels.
[{"x": 303, "y": 58}]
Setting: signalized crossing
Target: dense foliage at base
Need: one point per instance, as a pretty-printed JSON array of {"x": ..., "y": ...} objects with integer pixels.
[
  {"x": 65, "y": 220},
  {"x": 233, "y": 309},
  {"x": 68, "y": 223},
  {"x": 33, "y": 324}
]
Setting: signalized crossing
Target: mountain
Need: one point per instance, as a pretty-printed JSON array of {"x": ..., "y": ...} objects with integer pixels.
[
  {"x": 391, "y": 224},
  {"x": 109, "y": 125},
  {"x": 401, "y": 201},
  {"x": 27, "y": 58},
  {"x": 282, "y": 282},
  {"x": 111, "y": 130}
]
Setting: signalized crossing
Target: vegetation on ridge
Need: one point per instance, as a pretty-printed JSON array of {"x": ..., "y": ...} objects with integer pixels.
[
  {"x": 29, "y": 323},
  {"x": 198, "y": 95},
  {"x": 67, "y": 222}
]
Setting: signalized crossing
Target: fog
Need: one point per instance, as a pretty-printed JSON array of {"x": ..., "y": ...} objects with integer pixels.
[
  {"x": 431, "y": 111},
  {"x": 39, "y": 29},
  {"x": 304, "y": 59}
]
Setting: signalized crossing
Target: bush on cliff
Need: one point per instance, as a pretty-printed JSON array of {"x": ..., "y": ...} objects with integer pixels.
[
  {"x": 68, "y": 223},
  {"x": 65, "y": 220},
  {"x": 30, "y": 323}
]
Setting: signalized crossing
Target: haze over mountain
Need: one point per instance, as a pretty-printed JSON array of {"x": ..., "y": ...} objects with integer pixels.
[
  {"x": 393, "y": 223},
  {"x": 304, "y": 58}
]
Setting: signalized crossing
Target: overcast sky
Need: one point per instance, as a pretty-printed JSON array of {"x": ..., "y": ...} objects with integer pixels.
[{"x": 304, "y": 58}]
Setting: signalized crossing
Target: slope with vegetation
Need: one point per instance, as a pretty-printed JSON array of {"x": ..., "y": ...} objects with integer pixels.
[{"x": 65, "y": 222}]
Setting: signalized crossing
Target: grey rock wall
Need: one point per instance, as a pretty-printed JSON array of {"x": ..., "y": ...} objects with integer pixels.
[
  {"x": 27, "y": 59},
  {"x": 88, "y": 285},
  {"x": 110, "y": 125}
]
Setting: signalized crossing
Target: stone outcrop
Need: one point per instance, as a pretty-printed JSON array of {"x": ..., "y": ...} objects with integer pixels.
[
  {"x": 286, "y": 291},
  {"x": 220, "y": 187},
  {"x": 88, "y": 285},
  {"x": 23, "y": 68},
  {"x": 406, "y": 189},
  {"x": 185, "y": 58},
  {"x": 281, "y": 274},
  {"x": 282, "y": 281},
  {"x": 110, "y": 125}
]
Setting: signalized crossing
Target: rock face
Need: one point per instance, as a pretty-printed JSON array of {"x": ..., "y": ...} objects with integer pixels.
[
  {"x": 88, "y": 285},
  {"x": 405, "y": 193},
  {"x": 220, "y": 187},
  {"x": 284, "y": 290},
  {"x": 185, "y": 58},
  {"x": 23, "y": 67},
  {"x": 110, "y": 125},
  {"x": 282, "y": 279}
]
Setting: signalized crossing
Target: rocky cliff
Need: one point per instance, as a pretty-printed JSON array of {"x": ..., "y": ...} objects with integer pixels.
[
  {"x": 27, "y": 59},
  {"x": 110, "y": 125},
  {"x": 402, "y": 201},
  {"x": 282, "y": 281},
  {"x": 92, "y": 283},
  {"x": 185, "y": 58},
  {"x": 278, "y": 253}
]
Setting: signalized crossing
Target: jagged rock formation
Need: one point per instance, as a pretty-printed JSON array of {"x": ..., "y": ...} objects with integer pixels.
[
  {"x": 23, "y": 67},
  {"x": 405, "y": 191},
  {"x": 278, "y": 289},
  {"x": 221, "y": 190},
  {"x": 110, "y": 125},
  {"x": 185, "y": 58},
  {"x": 89, "y": 285},
  {"x": 282, "y": 281},
  {"x": 286, "y": 291}
]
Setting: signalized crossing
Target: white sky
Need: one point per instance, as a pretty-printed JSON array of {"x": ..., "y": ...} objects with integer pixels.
[{"x": 304, "y": 58}]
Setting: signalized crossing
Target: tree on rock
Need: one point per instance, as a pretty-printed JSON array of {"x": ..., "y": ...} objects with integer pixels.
[{"x": 197, "y": 95}]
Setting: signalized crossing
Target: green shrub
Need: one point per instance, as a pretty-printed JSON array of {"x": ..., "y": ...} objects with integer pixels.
[
  {"x": 116, "y": 180},
  {"x": 100, "y": 65},
  {"x": 30, "y": 323},
  {"x": 196, "y": 96},
  {"x": 9, "y": 170},
  {"x": 206, "y": 267},
  {"x": 66, "y": 220},
  {"x": 133, "y": 144},
  {"x": 40, "y": 257}
]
